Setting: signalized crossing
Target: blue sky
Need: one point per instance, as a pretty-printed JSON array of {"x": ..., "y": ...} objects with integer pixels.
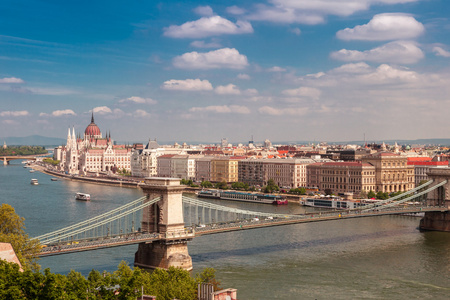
[{"x": 286, "y": 70}]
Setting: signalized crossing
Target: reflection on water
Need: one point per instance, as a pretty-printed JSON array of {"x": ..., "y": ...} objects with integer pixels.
[{"x": 366, "y": 258}]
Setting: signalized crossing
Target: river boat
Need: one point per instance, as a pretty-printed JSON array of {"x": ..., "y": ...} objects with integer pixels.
[
  {"x": 83, "y": 197},
  {"x": 54, "y": 179},
  {"x": 34, "y": 181},
  {"x": 332, "y": 202},
  {"x": 243, "y": 196},
  {"x": 32, "y": 171}
]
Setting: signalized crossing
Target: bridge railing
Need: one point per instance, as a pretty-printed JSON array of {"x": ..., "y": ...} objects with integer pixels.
[{"x": 117, "y": 220}]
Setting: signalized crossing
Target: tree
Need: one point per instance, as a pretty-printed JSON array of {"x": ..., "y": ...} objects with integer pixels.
[
  {"x": 221, "y": 185},
  {"x": 12, "y": 230},
  {"x": 371, "y": 194},
  {"x": 206, "y": 184},
  {"x": 382, "y": 196},
  {"x": 208, "y": 275},
  {"x": 271, "y": 187}
]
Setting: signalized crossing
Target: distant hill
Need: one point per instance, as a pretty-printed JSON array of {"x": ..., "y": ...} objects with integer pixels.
[{"x": 33, "y": 140}]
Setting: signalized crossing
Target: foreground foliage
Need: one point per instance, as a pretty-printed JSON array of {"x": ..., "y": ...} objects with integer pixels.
[
  {"x": 124, "y": 283},
  {"x": 12, "y": 230}
]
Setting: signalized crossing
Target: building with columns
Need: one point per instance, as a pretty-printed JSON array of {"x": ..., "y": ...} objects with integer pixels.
[{"x": 392, "y": 172}]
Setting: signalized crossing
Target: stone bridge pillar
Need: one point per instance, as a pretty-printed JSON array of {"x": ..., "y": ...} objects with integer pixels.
[
  {"x": 439, "y": 220},
  {"x": 5, "y": 161},
  {"x": 166, "y": 218}
]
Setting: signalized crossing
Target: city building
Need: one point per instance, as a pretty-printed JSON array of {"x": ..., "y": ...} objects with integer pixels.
[
  {"x": 92, "y": 153},
  {"x": 422, "y": 166},
  {"x": 144, "y": 159},
  {"x": 342, "y": 177},
  {"x": 392, "y": 172}
]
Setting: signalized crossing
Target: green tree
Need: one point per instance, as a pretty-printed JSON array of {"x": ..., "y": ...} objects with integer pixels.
[
  {"x": 239, "y": 186},
  {"x": 171, "y": 284},
  {"x": 206, "y": 184},
  {"x": 12, "y": 230},
  {"x": 208, "y": 275},
  {"x": 382, "y": 196},
  {"x": 271, "y": 187},
  {"x": 221, "y": 185},
  {"x": 371, "y": 194}
]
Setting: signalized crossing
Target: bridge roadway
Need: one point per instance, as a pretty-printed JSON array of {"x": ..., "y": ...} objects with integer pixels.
[{"x": 190, "y": 233}]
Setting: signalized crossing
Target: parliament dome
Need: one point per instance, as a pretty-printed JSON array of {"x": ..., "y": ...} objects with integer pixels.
[{"x": 92, "y": 129}]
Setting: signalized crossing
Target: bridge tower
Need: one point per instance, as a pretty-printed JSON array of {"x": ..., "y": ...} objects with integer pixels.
[
  {"x": 439, "y": 220},
  {"x": 166, "y": 218},
  {"x": 5, "y": 161}
]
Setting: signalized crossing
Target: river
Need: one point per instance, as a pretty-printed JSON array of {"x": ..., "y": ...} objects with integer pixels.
[{"x": 368, "y": 258}]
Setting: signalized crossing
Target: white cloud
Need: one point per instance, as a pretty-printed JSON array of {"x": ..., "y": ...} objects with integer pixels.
[
  {"x": 400, "y": 52},
  {"x": 11, "y": 80},
  {"x": 360, "y": 67},
  {"x": 441, "y": 52},
  {"x": 141, "y": 113},
  {"x": 102, "y": 110},
  {"x": 187, "y": 85},
  {"x": 202, "y": 44},
  {"x": 224, "y": 109},
  {"x": 139, "y": 100},
  {"x": 235, "y": 10},
  {"x": 18, "y": 113},
  {"x": 312, "y": 11},
  {"x": 243, "y": 76},
  {"x": 384, "y": 27},
  {"x": 251, "y": 92},
  {"x": 204, "y": 10},
  {"x": 290, "y": 111},
  {"x": 59, "y": 113},
  {"x": 303, "y": 91},
  {"x": 222, "y": 58},
  {"x": 206, "y": 27},
  {"x": 10, "y": 122},
  {"x": 276, "y": 69},
  {"x": 296, "y": 31},
  {"x": 229, "y": 89}
]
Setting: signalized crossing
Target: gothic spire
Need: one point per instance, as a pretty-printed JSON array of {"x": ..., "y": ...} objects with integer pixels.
[{"x": 92, "y": 118}]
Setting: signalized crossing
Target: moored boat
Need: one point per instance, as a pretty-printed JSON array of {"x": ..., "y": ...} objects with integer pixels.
[
  {"x": 331, "y": 202},
  {"x": 83, "y": 197},
  {"x": 54, "y": 179},
  {"x": 243, "y": 196},
  {"x": 34, "y": 181}
]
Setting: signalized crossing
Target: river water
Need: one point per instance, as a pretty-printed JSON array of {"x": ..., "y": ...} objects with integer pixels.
[{"x": 368, "y": 258}]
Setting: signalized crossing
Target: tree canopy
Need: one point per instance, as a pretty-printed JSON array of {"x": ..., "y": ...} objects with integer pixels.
[
  {"x": 12, "y": 230},
  {"x": 124, "y": 283}
]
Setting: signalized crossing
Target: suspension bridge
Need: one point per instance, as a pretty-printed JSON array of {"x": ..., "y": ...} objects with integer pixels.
[{"x": 164, "y": 220}]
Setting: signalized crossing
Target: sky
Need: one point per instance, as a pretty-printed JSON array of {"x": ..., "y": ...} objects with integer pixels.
[{"x": 283, "y": 70}]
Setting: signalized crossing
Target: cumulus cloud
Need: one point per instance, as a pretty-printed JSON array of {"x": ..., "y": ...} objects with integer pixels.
[
  {"x": 235, "y": 10},
  {"x": 102, "y": 110},
  {"x": 18, "y": 113},
  {"x": 401, "y": 52},
  {"x": 229, "y": 89},
  {"x": 251, "y": 92},
  {"x": 224, "y": 109},
  {"x": 206, "y": 27},
  {"x": 384, "y": 27},
  {"x": 312, "y": 12},
  {"x": 356, "y": 68},
  {"x": 141, "y": 113},
  {"x": 303, "y": 91},
  {"x": 138, "y": 100},
  {"x": 441, "y": 52},
  {"x": 203, "y": 44},
  {"x": 276, "y": 69},
  {"x": 187, "y": 85},
  {"x": 10, "y": 122},
  {"x": 11, "y": 80},
  {"x": 243, "y": 76},
  {"x": 64, "y": 112},
  {"x": 204, "y": 10},
  {"x": 275, "y": 111},
  {"x": 222, "y": 58}
]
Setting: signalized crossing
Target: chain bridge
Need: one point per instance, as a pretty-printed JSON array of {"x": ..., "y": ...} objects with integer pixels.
[{"x": 164, "y": 220}]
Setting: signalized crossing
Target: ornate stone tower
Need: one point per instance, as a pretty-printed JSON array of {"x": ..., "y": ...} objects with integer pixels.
[
  {"x": 439, "y": 220},
  {"x": 166, "y": 218}
]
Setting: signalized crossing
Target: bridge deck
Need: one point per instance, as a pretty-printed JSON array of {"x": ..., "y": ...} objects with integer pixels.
[{"x": 138, "y": 237}]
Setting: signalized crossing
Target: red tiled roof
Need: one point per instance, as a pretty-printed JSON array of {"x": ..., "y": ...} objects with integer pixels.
[
  {"x": 417, "y": 159},
  {"x": 428, "y": 163}
]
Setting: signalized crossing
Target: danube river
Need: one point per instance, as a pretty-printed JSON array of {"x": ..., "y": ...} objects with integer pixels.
[{"x": 369, "y": 258}]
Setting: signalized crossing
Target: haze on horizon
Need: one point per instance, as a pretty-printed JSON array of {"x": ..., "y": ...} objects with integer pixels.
[{"x": 202, "y": 70}]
